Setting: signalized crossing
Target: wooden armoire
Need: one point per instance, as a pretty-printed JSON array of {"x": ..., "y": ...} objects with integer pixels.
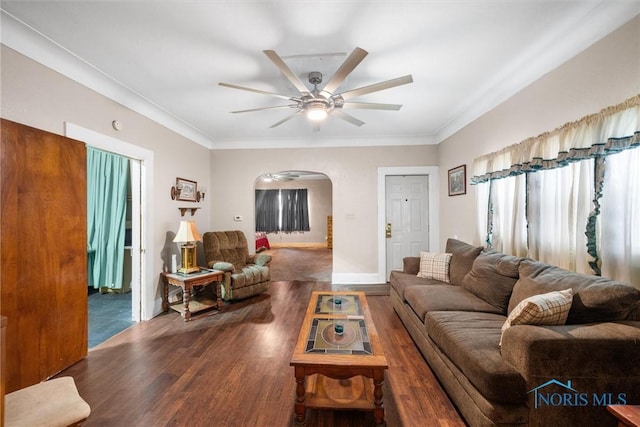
[{"x": 43, "y": 239}]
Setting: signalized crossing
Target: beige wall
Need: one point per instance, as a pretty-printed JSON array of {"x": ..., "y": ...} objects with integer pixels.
[
  {"x": 353, "y": 173},
  {"x": 605, "y": 74},
  {"x": 320, "y": 199},
  {"x": 39, "y": 97}
]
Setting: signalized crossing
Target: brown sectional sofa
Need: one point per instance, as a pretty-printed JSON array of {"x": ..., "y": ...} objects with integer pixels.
[{"x": 541, "y": 375}]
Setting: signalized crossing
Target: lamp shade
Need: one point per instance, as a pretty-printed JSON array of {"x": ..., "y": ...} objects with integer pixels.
[{"x": 187, "y": 232}]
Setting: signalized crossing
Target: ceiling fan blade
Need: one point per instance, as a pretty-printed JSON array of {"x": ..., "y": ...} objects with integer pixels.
[
  {"x": 376, "y": 87},
  {"x": 286, "y": 119},
  {"x": 372, "y": 106},
  {"x": 266, "y": 108},
  {"x": 284, "y": 69},
  {"x": 263, "y": 92},
  {"x": 345, "y": 69},
  {"x": 347, "y": 117}
]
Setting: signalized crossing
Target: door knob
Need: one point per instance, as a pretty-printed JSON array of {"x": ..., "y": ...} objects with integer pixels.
[{"x": 387, "y": 230}]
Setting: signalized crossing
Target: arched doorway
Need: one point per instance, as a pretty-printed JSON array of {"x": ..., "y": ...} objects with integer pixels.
[{"x": 298, "y": 254}]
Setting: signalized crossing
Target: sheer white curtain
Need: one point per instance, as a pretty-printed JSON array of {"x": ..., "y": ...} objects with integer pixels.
[
  {"x": 620, "y": 217},
  {"x": 509, "y": 221},
  {"x": 482, "y": 212},
  {"x": 559, "y": 203},
  {"x": 564, "y": 225}
]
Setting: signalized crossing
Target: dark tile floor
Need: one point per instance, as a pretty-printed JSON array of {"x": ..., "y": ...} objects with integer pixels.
[{"x": 109, "y": 314}]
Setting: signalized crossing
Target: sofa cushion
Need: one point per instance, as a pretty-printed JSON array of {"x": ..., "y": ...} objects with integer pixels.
[
  {"x": 549, "y": 309},
  {"x": 434, "y": 266},
  {"x": 492, "y": 278},
  {"x": 462, "y": 257},
  {"x": 424, "y": 299},
  {"x": 226, "y": 246},
  {"x": 470, "y": 341},
  {"x": 250, "y": 275},
  {"x": 401, "y": 281},
  {"x": 411, "y": 265},
  {"x": 595, "y": 299}
]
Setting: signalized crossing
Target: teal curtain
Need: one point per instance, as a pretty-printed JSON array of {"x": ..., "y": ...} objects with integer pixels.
[{"x": 107, "y": 183}]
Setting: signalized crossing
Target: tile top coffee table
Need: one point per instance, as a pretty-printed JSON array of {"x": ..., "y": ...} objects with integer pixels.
[{"x": 338, "y": 358}]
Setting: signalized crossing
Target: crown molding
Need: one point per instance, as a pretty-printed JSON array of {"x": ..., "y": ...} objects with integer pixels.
[
  {"x": 598, "y": 19},
  {"x": 27, "y": 41}
]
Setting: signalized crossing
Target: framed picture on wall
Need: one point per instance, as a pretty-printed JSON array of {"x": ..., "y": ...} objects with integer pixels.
[
  {"x": 188, "y": 190},
  {"x": 458, "y": 181}
]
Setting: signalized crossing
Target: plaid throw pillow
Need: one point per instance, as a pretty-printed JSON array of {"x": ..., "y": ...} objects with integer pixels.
[
  {"x": 545, "y": 309},
  {"x": 434, "y": 266}
]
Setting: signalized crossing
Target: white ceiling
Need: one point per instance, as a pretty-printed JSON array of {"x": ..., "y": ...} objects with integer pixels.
[{"x": 165, "y": 59}]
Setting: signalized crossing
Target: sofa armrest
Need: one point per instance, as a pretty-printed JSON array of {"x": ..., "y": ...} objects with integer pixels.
[
  {"x": 573, "y": 371},
  {"x": 221, "y": 265},
  {"x": 411, "y": 265},
  {"x": 596, "y": 353},
  {"x": 259, "y": 259},
  {"x": 262, "y": 259}
]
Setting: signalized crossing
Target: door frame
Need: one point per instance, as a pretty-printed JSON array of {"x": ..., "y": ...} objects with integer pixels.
[
  {"x": 141, "y": 293},
  {"x": 434, "y": 209}
]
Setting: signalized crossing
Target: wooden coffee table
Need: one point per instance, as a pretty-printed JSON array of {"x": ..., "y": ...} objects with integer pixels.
[
  {"x": 339, "y": 368},
  {"x": 627, "y": 415}
]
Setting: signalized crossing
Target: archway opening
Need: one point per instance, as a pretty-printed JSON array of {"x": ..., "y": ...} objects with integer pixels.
[{"x": 281, "y": 200}]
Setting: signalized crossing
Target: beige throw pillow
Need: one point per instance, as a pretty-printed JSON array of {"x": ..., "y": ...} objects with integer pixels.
[
  {"x": 434, "y": 266},
  {"x": 545, "y": 309}
]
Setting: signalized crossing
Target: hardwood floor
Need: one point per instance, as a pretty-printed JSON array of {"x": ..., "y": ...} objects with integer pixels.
[
  {"x": 232, "y": 369},
  {"x": 302, "y": 264}
]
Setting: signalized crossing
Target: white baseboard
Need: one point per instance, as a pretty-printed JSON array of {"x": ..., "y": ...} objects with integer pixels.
[
  {"x": 355, "y": 278},
  {"x": 298, "y": 245}
]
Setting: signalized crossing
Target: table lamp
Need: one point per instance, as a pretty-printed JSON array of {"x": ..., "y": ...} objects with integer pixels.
[{"x": 188, "y": 235}]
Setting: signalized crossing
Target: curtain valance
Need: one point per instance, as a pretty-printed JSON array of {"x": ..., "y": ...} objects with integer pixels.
[{"x": 611, "y": 130}]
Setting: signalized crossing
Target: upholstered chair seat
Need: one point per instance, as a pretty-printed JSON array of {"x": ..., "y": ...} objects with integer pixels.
[
  {"x": 245, "y": 275},
  {"x": 53, "y": 403}
]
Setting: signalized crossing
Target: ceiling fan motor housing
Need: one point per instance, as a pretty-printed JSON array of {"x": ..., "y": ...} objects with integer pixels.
[{"x": 315, "y": 78}]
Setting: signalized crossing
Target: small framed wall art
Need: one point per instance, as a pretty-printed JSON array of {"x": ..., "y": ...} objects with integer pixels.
[
  {"x": 458, "y": 180},
  {"x": 187, "y": 190}
]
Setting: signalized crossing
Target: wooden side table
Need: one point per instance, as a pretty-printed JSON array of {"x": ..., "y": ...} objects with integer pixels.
[
  {"x": 188, "y": 282},
  {"x": 627, "y": 415}
]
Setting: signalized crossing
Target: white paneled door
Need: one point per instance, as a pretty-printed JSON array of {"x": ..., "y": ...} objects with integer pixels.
[{"x": 407, "y": 218}]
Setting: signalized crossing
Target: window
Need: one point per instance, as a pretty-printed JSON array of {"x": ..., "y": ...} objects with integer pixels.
[
  {"x": 570, "y": 197},
  {"x": 620, "y": 217},
  {"x": 284, "y": 210},
  {"x": 508, "y": 231},
  {"x": 559, "y": 204}
]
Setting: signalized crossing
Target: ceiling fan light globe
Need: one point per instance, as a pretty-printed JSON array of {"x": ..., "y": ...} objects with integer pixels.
[{"x": 317, "y": 112}]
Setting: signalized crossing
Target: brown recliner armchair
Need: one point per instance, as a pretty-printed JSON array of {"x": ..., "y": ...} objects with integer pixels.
[{"x": 245, "y": 275}]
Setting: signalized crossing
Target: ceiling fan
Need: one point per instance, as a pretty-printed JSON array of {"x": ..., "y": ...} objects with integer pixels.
[
  {"x": 283, "y": 176},
  {"x": 317, "y": 103}
]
